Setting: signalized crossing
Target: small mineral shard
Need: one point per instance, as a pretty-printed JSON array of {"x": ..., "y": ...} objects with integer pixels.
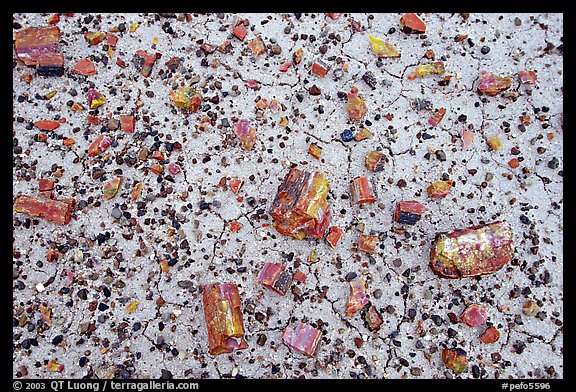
[
  {"x": 436, "y": 67},
  {"x": 408, "y": 212},
  {"x": 411, "y": 23},
  {"x": 186, "y": 98},
  {"x": 455, "y": 359},
  {"x": 303, "y": 339},
  {"x": 57, "y": 211},
  {"x": 246, "y": 133},
  {"x": 275, "y": 277},
  {"x": 99, "y": 145},
  {"x": 530, "y": 308},
  {"x": 361, "y": 191},
  {"x": 127, "y": 123},
  {"x": 299, "y": 208},
  {"x": 32, "y": 42},
  {"x": 372, "y": 318},
  {"x": 297, "y": 56},
  {"x": 383, "y": 49},
  {"x": 491, "y": 84},
  {"x": 495, "y": 144},
  {"x": 223, "y": 318},
  {"x": 362, "y": 134},
  {"x": 84, "y": 67},
  {"x": 111, "y": 187},
  {"x": 54, "y": 366},
  {"x": 467, "y": 138},
  {"x": 375, "y": 161},
  {"x": 235, "y": 184},
  {"x": 333, "y": 236},
  {"x": 491, "y": 335},
  {"x": 474, "y": 315},
  {"x": 312, "y": 258},
  {"x": 440, "y": 188},
  {"x": 478, "y": 250},
  {"x": 367, "y": 243},
  {"x": 174, "y": 169},
  {"x": 144, "y": 62},
  {"x": 320, "y": 68},
  {"x": 94, "y": 37},
  {"x": 46, "y": 125},
  {"x": 357, "y": 299},
  {"x": 257, "y": 47},
  {"x": 156, "y": 168},
  {"x": 437, "y": 117},
  {"x": 356, "y": 107},
  {"x": 45, "y": 184},
  {"x": 315, "y": 150},
  {"x": 240, "y": 31},
  {"x": 527, "y": 77},
  {"x": 95, "y": 99}
]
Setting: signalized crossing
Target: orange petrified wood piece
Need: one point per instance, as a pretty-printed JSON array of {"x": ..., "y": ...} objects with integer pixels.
[
  {"x": 478, "y": 250},
  {"x": 299, "y": 208},
  {"x": 57, "y": 211},
  {"x": 223, "y": 318}
]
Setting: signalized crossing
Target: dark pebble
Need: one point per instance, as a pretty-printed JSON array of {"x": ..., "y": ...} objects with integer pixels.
[
  {"x": 350, "y": 276},
  {"x": 347, "y": 135},
  {"x": 57, "y": 339},
  {"x": 485, "y": 50}
]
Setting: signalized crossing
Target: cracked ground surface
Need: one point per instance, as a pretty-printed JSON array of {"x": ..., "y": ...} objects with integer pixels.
[{"x": 158, "y": 250}]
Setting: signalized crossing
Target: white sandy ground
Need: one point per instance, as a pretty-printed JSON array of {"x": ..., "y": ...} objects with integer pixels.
[{"x": 512, "y": 49}]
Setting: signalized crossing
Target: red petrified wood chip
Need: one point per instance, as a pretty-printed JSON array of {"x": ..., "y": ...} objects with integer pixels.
[
  {"x": 84, "y": 67},
  {"x": 411, "y": 23},
  {"x": 474, "y": 315},
  {"x": 491, "y": 335},
  {"x": 47, "y": 125}
]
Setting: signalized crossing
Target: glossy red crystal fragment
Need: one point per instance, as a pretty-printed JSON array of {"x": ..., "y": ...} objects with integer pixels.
[
  {"x": 367, "y": 243},
  {"x": 408, "y": 212},
  {"x": 144, "y": 62},
  {"x": 99, "y": 145},
  {"x": 491, "y": 335},
  {"x": 127, "y": 123},
  {"x": 333, "y": 236},
  {"x": 357, "y": 299}
]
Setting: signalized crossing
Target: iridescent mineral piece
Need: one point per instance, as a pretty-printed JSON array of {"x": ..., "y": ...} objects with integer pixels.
[
  {"x": 111, "y": 187},
  {"x": 223, "y": 318},
  {"x": 491, "y": 84},
  {"x": 408, "y": 212},
  {"x": 57, "y": 211},
  {"x": 33, "y": 42},
  {"x": 478, "y": 250},
  {"x": 357, "y": 299},
  {"x": 186, "y": 98},
  {"x": 303, "y": 339},
  {"x": 299, "y": 208},
  {"x": 144, "y": 62},
  {"x": 356, "y": 107},
  {"x": 474, "y": 315},
  {"x": 94, "y": 37},
  {"x": 99, "y": 145},
  {"x": 495, "y": 143},
  {"x": 246, "y": 133},
  {"x": 372, "y": 318},
  {"x": 383, "y": 49},
  {"x": 455, "y": 359},
  {"x": 437, "y": 67},
  {"x": 361, "y": 191},
  {"x": 362, "y": 134},
  {"x": 95, "y": 99},
  {"x": 440, "y": 188},
  {"x": 315, "y": 150},
  {"x": 275, "y": 277},
  {"x": 375, "y": 161}
]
